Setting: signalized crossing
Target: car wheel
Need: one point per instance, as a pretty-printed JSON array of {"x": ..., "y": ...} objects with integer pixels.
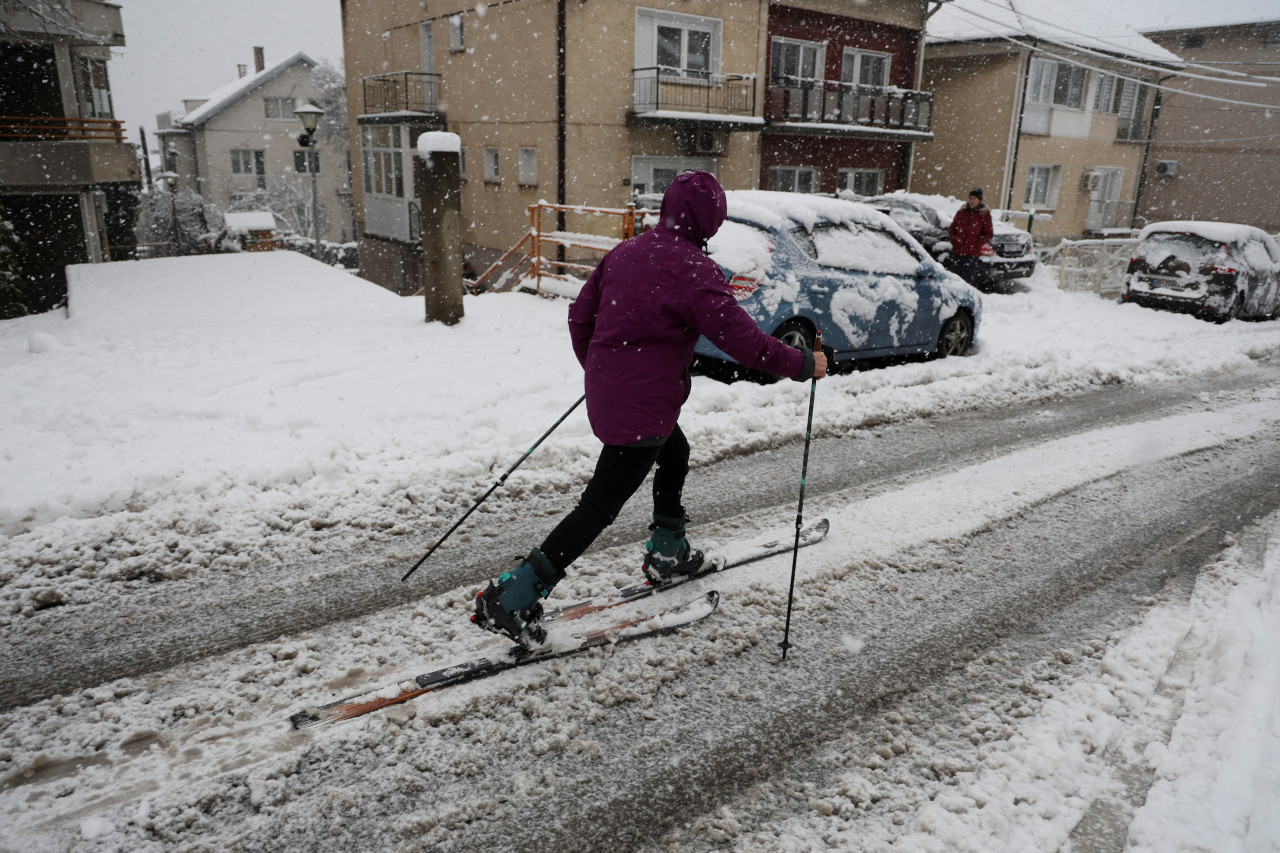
[
  {"x": 794, "y": 333},
  {"x": 956, "y": 335},
  {"x": 1237, "y": 304}
]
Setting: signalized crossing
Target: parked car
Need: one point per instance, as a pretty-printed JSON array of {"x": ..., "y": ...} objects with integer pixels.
[
  {"x": 801, "y": 263},
  {"x": 927, "y": 219},
  {"x": 1215, "y": 270}
]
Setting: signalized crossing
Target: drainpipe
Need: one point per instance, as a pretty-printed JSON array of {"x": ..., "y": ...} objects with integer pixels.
[
  {"x": 561, "y": 120},
  {"x": 911, "y": 146},
  {"x": 1020, "y": 102},
  {"x": 1156, "y": 103}
]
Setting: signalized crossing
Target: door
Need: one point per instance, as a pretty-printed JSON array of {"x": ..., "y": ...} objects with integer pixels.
[{"x": 1104, "y": 202}]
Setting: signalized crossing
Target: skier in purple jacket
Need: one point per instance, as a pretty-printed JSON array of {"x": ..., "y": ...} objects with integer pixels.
[{"x": 634, "y": 326}]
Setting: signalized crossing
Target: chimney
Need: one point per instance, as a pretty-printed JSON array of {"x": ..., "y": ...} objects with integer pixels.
[
  {"x": 243, "y": 69},
  {"x": 259, "y": 60}
]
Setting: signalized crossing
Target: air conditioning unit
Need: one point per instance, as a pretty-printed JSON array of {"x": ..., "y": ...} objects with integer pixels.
[
  {"x": 709, "y": 142},
  {"x": 1089, "y": 181},
  {"x": 1167, "y": 168}
]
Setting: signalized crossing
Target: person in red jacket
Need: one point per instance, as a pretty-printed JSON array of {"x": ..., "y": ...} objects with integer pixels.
[{"x": 970, "y": 232}]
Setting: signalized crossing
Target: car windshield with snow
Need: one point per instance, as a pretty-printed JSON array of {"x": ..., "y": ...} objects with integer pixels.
[
  {"x": 799, "y": 264},
  {"x": 1215, "y": 270}
]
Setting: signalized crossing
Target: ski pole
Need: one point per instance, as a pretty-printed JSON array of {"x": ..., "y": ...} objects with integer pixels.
[
  {"x": 499, "y": 482},
  {"x": 804, "y": 475}
]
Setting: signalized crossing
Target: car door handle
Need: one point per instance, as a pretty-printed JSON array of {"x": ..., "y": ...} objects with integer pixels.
[{"x": 818, "y": 288}]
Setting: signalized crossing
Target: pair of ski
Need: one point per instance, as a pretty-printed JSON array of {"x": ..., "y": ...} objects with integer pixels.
[{"x": 563, "y": 642}]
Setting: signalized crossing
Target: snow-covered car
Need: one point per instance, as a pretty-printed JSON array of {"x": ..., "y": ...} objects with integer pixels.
[
  {"x": 927, "y": 219},
  {"x": 800, "y": 264},
  {"x": 1215, "y": 270}
]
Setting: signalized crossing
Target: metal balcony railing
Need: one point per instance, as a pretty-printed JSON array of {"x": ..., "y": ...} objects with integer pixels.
[
  {"x": 41, "y": 129},
  {"x": 660, "y": 88},
  {"x": 828, "y": 102},
  {"x": 411, "y": 91}
]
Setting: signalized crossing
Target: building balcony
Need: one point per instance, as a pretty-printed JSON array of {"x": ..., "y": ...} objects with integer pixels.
[
  {"x": 32, "y": 128},
  {"x": 825, "y": 107},
  {"x": 40, "y": 152},
  {"x": 403, "y": 91},
  {"x": 671, "y": 96}
]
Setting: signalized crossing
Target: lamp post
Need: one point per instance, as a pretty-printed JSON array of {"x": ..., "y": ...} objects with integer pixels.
[
  {"x": 170, "y": 180},
  {"x": 309, "y": 115}
]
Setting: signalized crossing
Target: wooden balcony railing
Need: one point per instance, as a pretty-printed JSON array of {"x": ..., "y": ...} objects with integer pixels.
[
  {"x": 659, "y": 88},
  {"x": 827, "y": 102},
  {"x": 412, "y": 91},
  {"x": 39, "y": 129}
]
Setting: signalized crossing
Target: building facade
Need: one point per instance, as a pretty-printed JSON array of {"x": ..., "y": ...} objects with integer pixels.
[
  {"x": 1232, "y": 173},
  {"x": 603, "y": 103},
  {"x": 238, "y": 149},
  {"x": 68, "y": 179},
  {"x": 1044, "y": 125}
]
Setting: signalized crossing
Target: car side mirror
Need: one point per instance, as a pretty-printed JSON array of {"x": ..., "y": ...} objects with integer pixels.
[{"x": 928, "y": 269}]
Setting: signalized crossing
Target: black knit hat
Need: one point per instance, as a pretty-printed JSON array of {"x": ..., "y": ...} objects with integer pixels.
[{"x": 976, "y": 191}]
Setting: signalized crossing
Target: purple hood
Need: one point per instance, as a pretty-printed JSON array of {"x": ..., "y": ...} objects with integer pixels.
[{"x": 636, "y": 321}]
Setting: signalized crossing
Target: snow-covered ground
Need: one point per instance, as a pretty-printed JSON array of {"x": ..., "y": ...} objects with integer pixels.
[{"x": 208, "y": 417}]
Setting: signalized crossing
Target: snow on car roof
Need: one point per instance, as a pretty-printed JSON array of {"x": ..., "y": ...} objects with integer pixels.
[
  {"x": 946, "y": 207},
  {"x": 783, "y": 210},
  {"x": 1221, "y": 232}
]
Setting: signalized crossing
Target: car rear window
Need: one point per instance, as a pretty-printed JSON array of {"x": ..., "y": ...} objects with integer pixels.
[
  {"x": 850, "y": 246},
  {"x": 742, "y": 249},
  {"x": 1191, "y": 249}
]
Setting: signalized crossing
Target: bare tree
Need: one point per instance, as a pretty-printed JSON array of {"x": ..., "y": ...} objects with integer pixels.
[{"x": 47, "y": 15}]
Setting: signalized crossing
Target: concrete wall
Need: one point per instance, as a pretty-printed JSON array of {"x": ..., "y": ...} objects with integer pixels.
[{"x": 1235, "y": 180}]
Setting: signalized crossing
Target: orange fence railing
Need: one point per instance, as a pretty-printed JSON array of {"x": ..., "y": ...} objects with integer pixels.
[
  {"x": 35, "y": 128},
  {"x": 538, "y": 240}
]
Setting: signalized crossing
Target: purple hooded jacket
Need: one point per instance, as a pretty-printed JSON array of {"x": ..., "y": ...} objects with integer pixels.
[{"x": 638, "y": 317}]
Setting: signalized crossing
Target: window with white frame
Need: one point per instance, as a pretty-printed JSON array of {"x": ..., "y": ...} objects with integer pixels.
[
  {"x": 1059, "y": 84},
  {"x": 248, "y": 161},
  {"x": 865, "y": 68},
  {"x": 426, "y": 47},
  {"x": 791, "y": 61},
  {"x": 93, "y": 89},
  {"x": 279, "y": 108},
  {"x": 653, "y": 175},
  {"x": 382, "y": 152},
  {"x": 527, "y": 167},
  {"x": 793, "y": 179},
  {"x": 1042, "y": 186},
  {"x": 866, "y": 182},
  {"x": 300, "y": 160},
  {"x": 491, "y": 173},
  {"x": 457, "y": 35},
  {"x": 678, "y": 45}
]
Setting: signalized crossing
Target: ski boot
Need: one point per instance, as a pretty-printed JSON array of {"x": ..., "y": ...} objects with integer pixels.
[
  {"x": 667, "y": 552},
  {"x": 512, "y": 606}
]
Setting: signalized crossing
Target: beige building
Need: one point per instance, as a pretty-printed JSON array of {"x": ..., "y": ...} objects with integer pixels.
[
  {"x": 1045, "y": 120},
  {"x": 67, "y": 177},
  {"x": 597, "y": 103},
  {"x": 1218, "y": 159},
  {"x": 238, "y": 149}
]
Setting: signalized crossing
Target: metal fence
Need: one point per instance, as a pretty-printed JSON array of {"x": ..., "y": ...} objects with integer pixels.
[
  {"x": 1096, "y": 266},
  {"x": 828, "y": 102},
  {"x": 414, "y": 91},
  {"x": 659, "y": 88}
]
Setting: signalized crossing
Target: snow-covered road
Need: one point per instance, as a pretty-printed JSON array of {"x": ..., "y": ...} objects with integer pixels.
[{"x": 983, "y": 645}]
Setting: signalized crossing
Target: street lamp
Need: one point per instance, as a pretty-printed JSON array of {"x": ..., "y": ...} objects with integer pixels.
[{"x": 309, "y": 115}]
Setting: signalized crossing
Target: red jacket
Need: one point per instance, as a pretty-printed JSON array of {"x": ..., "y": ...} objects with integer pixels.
[{"x": 970, "y": 230}]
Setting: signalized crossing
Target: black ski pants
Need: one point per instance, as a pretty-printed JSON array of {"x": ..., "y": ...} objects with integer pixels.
[{"x": 620, "y": 471}]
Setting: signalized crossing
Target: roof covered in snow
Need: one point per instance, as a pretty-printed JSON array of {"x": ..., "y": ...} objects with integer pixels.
[
  {"x": 1153, "y": 16},
  {"x": 1087, "y": 24},
  {"x": 250, "y": 220},
  {"x": 229, "y": 93}
]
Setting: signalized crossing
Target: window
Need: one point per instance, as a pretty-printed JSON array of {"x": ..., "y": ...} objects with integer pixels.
[
  {"x": 861, "y": 181},
  {"x": 679, "y": 45},
  {"x": 94, "y": 90},
  {"x": 279, "y": 108},
  {"x": 1193, "y": 41},
  {"x": 865, "y": 69},
  {"x": 793, "y": 179},
  {"x": 792, "y": 61},
  {"x": 1042, "y": 186},
  {"x": 457, "y": 37},
  {"x": 1104, "y": 100},
  {"x": 382, "y": 153},
  {"x": 300, "y": 161},
  {"x": 491, "y": 173},
  {"x": 462, "y": 163},
  {"x": 857, "y": 247},
  {"x": 426, "y": 48},
  {"x": 1271, "y": 38},
  {"x": 528, "y": 167},
  {"x": 653, "y": 175},
  {"x": 1058, "y": 83},
  {"x": 249, "y": 162}
]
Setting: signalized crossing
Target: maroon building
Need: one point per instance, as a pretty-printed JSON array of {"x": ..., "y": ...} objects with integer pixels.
[{"x": 841, "y": 110}]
